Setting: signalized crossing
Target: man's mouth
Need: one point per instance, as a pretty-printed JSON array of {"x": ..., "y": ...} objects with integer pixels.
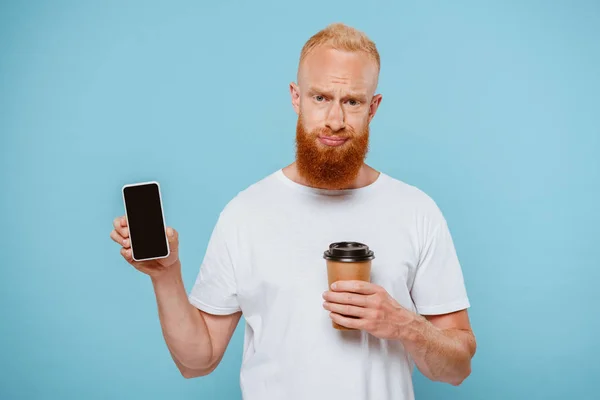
[{"x": 332, "y": 140}]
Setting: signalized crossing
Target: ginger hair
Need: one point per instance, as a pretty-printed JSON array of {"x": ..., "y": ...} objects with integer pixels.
[{"x": 341, "y": 37}]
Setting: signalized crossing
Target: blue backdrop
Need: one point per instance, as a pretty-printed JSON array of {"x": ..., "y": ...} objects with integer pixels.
[{"x": 490, "y": 107}]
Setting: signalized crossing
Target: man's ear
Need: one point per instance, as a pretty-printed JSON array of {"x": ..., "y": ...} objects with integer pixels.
[
  {"x": 295, "y": 94},
  {"x": 374, "y": 105}
]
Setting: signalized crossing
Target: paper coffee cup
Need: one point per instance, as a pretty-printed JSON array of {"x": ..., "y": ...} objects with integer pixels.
[{"x": 348, "y": 261}]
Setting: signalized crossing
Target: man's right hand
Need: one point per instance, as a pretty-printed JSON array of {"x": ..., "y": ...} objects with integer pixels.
[{"x": 153, "y": 268}]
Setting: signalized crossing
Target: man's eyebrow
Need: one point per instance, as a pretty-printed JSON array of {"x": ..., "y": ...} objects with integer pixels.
[
  {"x": 315, "y": 89},
  {"x": 357, "y": 95},
  {"x": 352, "y": 94}
]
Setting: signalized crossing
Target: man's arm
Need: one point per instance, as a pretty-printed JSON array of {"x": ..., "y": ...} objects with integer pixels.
[
  {"x": 442, "y": 346},
  {"x": 195, "y": 339}
]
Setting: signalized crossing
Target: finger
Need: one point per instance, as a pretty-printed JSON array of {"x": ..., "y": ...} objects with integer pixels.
[
  {"x": 117, "y": 223},
  {"x": 121, "y": 226},
  {"x": 173, "y": 238},
  {"x": 355, "y": 323},
  {"x": 120, "y": 222},
  {"x": 345, "y": 309},
  {"x": 126, "y": 253},
  {"x": 353, "y": 299},
  {"x": 114, "y": 235},
  {"x": 355, "y": 286},
  {"x": 124, "y": 232}
]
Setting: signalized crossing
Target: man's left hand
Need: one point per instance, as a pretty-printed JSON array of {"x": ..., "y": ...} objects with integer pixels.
[{"x": 375, "y": 311}]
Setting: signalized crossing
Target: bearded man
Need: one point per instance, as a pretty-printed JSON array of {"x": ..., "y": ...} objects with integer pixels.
[{"x": 265, "y": 259}]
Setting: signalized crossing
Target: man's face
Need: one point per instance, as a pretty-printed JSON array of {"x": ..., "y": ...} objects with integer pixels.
[{"x": 335, "y": 103}]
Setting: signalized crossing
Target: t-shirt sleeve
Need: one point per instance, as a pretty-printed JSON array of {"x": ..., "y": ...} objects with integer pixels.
[
  {"x": 215, "y": 289},
  {"x": 439, "y": 287}
]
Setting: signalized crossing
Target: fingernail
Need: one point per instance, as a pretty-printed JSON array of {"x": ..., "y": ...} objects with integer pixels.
[
  {"x": 333, "y": 285},
  {"x": 124, "y": 242},
  {"x": 170, "y": 232}
]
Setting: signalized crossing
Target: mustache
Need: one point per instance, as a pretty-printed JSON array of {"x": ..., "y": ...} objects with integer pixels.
[{"x": 345, "y": 133}]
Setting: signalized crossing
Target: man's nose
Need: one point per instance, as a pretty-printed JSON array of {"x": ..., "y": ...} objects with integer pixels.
[{"x": 335, "y": 118}]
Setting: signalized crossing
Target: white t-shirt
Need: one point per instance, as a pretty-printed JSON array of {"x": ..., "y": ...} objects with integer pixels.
[{"x": 265, "y": 258}]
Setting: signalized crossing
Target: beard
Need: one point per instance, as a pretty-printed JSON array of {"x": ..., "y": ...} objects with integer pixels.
[{"x": 330, "y": 167}]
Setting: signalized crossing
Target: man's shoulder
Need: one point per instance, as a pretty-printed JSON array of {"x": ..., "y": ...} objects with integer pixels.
[
  {"x": 259, "y": 189},
  {"x": 252, "y": 196},
  {"x": 409, "y": 191},
  {"x": 410, "y": 196}
]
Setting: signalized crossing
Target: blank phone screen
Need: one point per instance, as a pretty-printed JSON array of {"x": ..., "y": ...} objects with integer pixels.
[{"x": 145, "y": 218}]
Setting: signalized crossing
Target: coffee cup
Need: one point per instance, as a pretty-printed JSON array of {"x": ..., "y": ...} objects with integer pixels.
[{"x": 348, "y": 261}]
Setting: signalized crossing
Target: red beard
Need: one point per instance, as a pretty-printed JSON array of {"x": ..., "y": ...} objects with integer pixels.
[{"x": 330, "y": 167}]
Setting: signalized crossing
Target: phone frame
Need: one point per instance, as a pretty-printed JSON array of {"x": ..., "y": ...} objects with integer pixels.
[{"x": 162, "y": 211}]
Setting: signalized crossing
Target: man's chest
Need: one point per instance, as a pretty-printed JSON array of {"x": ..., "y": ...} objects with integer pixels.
[{"x": 282, "y": 260}]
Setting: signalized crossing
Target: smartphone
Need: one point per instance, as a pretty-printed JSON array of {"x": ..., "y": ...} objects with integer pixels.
[{"x": 146, "y": 221}]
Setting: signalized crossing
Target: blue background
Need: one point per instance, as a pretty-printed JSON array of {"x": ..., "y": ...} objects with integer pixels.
[{"x": 490, "y": 107}]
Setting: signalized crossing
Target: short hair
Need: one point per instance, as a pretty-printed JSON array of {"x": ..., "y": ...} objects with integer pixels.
[{"x": 341, "y": 37}]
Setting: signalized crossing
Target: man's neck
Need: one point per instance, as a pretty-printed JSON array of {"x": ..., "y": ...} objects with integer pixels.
[{"x": 365, "y": 177}]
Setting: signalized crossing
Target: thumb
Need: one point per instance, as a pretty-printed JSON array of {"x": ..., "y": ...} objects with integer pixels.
[{"x": 172, "y": 235}]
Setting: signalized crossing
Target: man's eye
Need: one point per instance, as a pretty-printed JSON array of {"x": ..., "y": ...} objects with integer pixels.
[
  {"x": 319, "y": 98},
  {"x": 353, "y": 102}
]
